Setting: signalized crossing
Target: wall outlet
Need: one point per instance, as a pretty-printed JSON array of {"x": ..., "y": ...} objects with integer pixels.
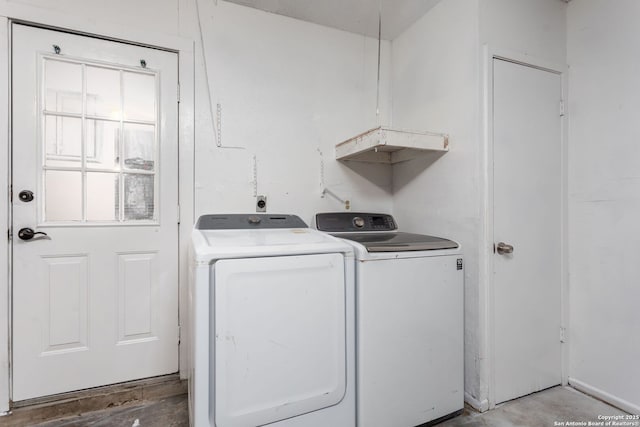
[{"x": 261, "y": 203}]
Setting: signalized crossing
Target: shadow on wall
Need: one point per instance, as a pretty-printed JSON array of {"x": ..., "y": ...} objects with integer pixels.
[
  {"x": 414, "y": 167},
  {"x": 411, "y": 169},
  {"x": 370, "y": 172}
]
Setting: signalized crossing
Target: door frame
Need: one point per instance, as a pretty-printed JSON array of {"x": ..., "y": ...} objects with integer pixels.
[
  {"x": 486, "y": 262},
  {"x": 12, "y": 13}
]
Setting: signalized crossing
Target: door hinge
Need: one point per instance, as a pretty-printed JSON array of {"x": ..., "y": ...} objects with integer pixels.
[
  {"x": 562, "y": 108},
  {"x": 9, "y": 234},
  {"x": 563, "y": 334},
  {"x": 178, "y": 93},
  {"x": 178, "y": 214}
]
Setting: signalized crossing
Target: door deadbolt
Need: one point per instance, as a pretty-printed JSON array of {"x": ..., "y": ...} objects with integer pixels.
[
  {"x": 25, "y": 195},
  {"x": 503, "y": 249}
]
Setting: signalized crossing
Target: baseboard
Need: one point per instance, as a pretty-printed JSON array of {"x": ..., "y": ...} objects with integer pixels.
[
  {"x": 480, "y": 406},
  {"x": 604, "y": 396}
]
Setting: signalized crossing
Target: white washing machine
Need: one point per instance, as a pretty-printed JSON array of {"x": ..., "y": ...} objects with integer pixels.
[
  {"x": 409, "y": 321},
  {"x": 271, "y": 331}
]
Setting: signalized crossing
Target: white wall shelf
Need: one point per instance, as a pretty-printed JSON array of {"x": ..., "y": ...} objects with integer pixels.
[{"x": 387, "y": 145}]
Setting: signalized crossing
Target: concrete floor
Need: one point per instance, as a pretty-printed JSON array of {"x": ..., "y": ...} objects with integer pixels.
[
  {"x": 559, "y": 404},
  {"x": 168, "y": 412}
]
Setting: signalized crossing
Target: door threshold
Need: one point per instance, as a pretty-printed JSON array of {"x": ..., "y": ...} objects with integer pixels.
[{"x": 47, "y": 408}]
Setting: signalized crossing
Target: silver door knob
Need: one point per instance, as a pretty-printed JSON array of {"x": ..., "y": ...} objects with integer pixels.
[{"x": 502, "y": 248}]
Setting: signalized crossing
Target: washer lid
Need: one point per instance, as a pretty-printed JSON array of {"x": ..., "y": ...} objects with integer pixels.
[
  {"x": 398, "y": 241},
  {"x": 377, "y": 232}
]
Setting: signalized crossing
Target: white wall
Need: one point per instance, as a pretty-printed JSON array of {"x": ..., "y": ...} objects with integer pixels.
[
  {"x": 535, "y": 28},
  {"x": 435, "y": 75},
  {"x": 604, "y": 207},
  {"x": 135, "y": 14},
  {"x": 289, "y": 90}
]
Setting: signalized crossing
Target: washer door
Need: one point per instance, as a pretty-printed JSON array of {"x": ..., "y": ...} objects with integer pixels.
[{"x": 280, "y": 337}]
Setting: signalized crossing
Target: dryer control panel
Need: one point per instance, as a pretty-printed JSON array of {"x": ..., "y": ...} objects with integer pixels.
[
  {"x": 335, "y": 222},
  {"x": 249, "y": 221}
]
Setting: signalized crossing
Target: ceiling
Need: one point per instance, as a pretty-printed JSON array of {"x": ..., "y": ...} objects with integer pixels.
[{"x": 356, "y": 16}]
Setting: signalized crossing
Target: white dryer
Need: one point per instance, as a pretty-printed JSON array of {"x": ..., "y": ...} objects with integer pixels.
[
  {"x": 409, "y": 321},
  {"x": 271, "y": 331}
]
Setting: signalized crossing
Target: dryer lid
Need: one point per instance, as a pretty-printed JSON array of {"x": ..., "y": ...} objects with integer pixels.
[{"x": 233, "y": 236}]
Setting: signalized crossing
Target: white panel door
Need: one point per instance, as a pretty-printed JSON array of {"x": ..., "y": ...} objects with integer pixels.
[
  {"x": 280, "y": 337},
  {"x": 527, "y": 216},
  {"x": 95, "y": 168}
]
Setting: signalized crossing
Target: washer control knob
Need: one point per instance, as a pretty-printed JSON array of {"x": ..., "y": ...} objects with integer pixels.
[{"x": 358, "y": 222}]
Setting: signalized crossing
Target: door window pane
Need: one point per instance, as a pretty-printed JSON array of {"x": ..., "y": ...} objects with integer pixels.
[
  {"x": 138, "y": 197},
  {"x": 103, "y": 93},
  {"x": 102, "y": 144},
  {"x": 139, "y": 96},
  {"x": 99, "y": 142},
  {"x": 63, "y": 196},
  {"x": 139, "y": 144},
  {"x": 63, "y": 86},
  {"x": 102, "y": 196},
  {"x": 63, "y": 139}
]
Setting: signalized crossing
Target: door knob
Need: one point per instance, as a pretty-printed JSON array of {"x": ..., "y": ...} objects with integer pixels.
[
  {"x": 28, "y": 234},
  {"x": 503, "y": 248}
]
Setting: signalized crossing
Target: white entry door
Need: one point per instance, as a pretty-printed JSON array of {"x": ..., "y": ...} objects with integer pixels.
[
  {"x": 95, "y": 300},
  {"x": 528, "y": 217}
]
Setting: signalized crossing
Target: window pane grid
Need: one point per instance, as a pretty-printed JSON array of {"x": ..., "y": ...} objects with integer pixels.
[
  {"x": 93, "y": 117},
  {"x": 133, "y": 180},
  {"x": 62, "y": 114},
  {"x": 103, "y": 170}
]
